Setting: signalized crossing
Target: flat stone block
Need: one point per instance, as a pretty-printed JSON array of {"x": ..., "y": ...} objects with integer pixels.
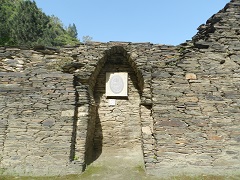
[{"x": 67, "y": 113}]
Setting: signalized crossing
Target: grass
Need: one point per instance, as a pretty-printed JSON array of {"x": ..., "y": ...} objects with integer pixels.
[
  {"x": 203, "y": 177},
  {"x": 136, "y": 173},
  {"x": 91, "y": 171},
  {"x": 89, "y": 175}
]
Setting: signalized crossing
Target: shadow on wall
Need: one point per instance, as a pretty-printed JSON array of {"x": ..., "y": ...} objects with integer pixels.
[
  {"x": 75, "y": 119},
  {"x": 98, "y": 139},
  {"x": 94, "y": 141}
]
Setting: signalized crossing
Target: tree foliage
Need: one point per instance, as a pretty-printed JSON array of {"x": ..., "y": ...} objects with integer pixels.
[
  {"x": 72, "y": 30},
  {"x": 6, "y": 14},
  {"x": 87, "y": 39},
  {"x": 26, "y": 24}
]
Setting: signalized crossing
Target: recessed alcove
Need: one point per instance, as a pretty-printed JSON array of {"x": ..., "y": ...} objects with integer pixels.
[{"x": 117, "y": 127}]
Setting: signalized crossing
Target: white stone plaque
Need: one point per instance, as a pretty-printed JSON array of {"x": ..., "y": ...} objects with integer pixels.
[{"x": 116, "y": 84}]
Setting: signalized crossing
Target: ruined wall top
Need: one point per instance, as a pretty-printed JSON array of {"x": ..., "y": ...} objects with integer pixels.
[
  {"x": 220, "y": 33},
  {"x": 221, "y": 28}
]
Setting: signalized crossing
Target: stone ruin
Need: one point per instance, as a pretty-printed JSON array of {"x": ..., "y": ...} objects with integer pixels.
[{"x": 180, "y": 114}]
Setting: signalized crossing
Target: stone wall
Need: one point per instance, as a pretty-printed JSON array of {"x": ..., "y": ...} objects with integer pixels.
[
  {"x": 196, "y": 101},
  {"x": 37, "y": 116},
  {"x": 184, "y": 101}
]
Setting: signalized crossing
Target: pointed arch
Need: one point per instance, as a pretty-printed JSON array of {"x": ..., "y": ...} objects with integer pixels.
[
  {"x": 106, "y": 121},
  {"x": 116, "y": 50}
]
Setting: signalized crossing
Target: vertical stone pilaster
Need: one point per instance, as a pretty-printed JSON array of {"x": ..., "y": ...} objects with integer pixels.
[{"x": 81, "y": 124}]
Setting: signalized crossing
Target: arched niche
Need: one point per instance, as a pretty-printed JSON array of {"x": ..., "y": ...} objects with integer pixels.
[{"x": 115, "y": 123}]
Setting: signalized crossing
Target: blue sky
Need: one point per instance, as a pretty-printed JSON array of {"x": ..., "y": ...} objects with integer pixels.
[{"x": 158, "y": 21}]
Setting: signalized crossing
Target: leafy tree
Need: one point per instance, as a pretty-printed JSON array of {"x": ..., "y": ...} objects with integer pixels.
[
  {"x": 53, "y": 30},
  {"x": 59, "y": 35},
  {"x": 6, "y": 14},
  {"x": 72, "y": 30},
  {"x": 29, "y": 23},
  {"x": 87, "y": 39},
  {"x": 25, "y": 24}
]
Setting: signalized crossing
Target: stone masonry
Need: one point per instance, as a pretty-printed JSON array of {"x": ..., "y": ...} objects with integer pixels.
[{"x": 182, "y": 110}]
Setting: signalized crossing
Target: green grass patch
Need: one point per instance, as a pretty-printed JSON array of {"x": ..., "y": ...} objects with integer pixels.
[
  {"x": 92, "y": 172},
  {"x": 203, "y": 177},
  {"x": 140, "y": 169},
  {"x": 1, "y": 171}
]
